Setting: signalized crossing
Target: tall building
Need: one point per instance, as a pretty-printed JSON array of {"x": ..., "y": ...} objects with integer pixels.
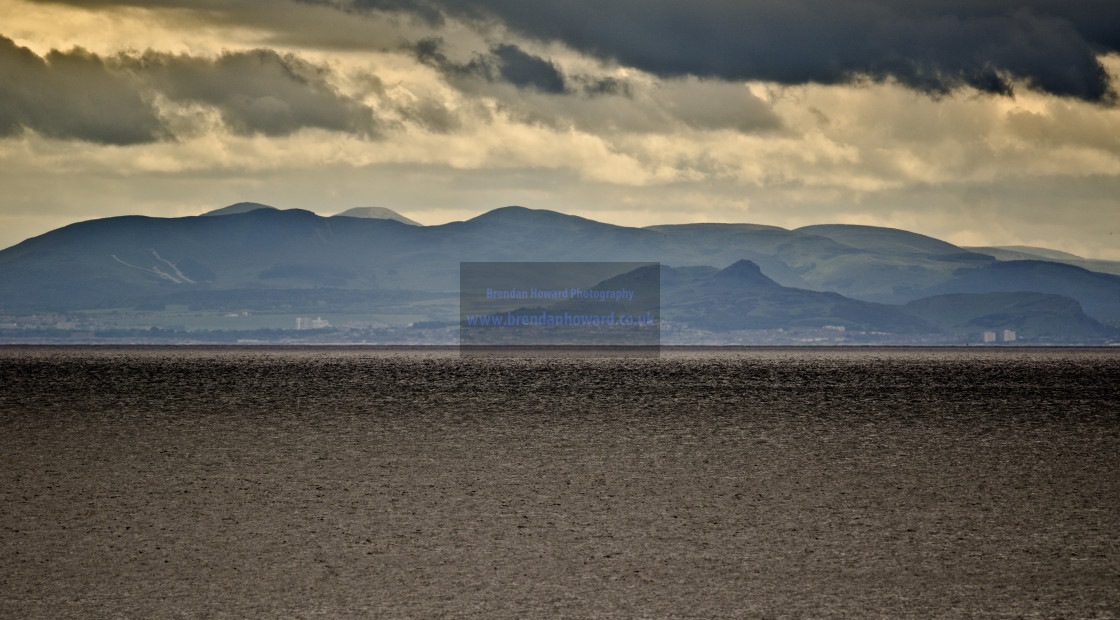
[
  {"x": 989, "y": 337},
  {"x": 1008, "y": 335}
]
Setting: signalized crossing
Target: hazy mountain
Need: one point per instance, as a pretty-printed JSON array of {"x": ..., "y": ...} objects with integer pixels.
[
  {"x": 1026, "y": 252},
  {"x": 740, "y": 297},
  {"x": 1030, "y": 315},
  {"x": 1033, "y": 252},
  {"x": 884, "y": 265},
  {"x": 377, "y": 213},
  {"x": 883, "y": 240},
  {"x": 782, "y": 254},
  {"x": 1098, "y": 293},
  {"x": 268, "y": 260},
  {"x": 240, "y": 207}
]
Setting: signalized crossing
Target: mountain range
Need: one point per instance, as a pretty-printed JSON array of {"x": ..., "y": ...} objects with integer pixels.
[{"x": 374, "y": 267}]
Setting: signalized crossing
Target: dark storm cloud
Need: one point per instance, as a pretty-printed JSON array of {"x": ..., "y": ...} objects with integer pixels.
[
  {"x": 933, "y": 46},
  {"x": 527, "y": 71},
  {"x": 930, "y": 45},
  {"x": 604, "y": 86},
  {"x": 508, "y": 63},
  {"x": 71, "y": 95},
  {"x": 258, "y": 91},
  {"x": 503, "y": 63},
  {"x": 605, "y": 102},
  {"x": 80, "y": 95}
]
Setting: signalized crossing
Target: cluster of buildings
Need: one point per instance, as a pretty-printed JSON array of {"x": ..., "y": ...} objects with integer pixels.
[
  {"x": 304, "y": 322},
  {"x": 1006, "y": 335}
]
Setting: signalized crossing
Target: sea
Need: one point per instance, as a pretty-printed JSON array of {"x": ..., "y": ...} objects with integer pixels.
[{"x": 420, "y": 483}]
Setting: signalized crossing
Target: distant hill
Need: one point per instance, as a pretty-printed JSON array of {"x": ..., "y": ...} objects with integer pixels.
[
  {"x": 1026, "y": 252},
  {"x": 739, "y": 297},
  {"x": 240, "y": 207},
  {"x": 884, "y": 240},
  {"x": 377, "y": 213},
  {"x": 1035, "y": 316},
  {"x": 1039, "y": 252},
  {"x": 864, "y": 262},
  {"x": 1098, "y": 293},
  {"x": 266, "y": 260}
]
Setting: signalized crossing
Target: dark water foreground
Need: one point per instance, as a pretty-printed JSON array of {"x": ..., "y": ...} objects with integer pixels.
[{"x": 768, "y": 482}]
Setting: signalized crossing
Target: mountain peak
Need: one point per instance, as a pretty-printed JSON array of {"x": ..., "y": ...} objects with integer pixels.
[
  {"x": 240, "y": 207},
  {"x": 377, "y": 213},
  {"x": 515, "y": 213},
  {"x": 521, "y": 216},
  {"x": 744, "y": 272}
]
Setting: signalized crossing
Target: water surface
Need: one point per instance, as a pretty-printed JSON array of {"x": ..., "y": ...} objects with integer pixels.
[{"x": 410, "y": 482}]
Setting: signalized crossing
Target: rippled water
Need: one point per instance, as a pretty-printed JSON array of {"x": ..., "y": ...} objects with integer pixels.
[{"x": 411, "y": 482}]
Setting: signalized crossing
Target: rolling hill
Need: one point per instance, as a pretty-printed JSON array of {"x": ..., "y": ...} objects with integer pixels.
[
  {"x": 1023, "y": 252},
  {"x": 1036, "y": 316},
  {"x": 240, "y": 207},
  {"x": 740, "y": 297},
  {"x": 377, "y": 213},
  {"x": 251, "y": 257}
]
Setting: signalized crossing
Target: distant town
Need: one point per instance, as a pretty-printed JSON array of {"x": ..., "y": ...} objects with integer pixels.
[{"x": 80, "y": 329}]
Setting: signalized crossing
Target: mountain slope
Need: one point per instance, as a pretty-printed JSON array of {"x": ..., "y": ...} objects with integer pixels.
[
  {"x": 1024, "y": 252},
  {"x": 240, "y": 207},
  {"x": 739, "y": 297},
  {"x": 1098, "y": 293},
  {"x": 260, "y": 258},
  {"x": 377, "y": 213},
  {"x": 882, "y": 240},
  {"x": 864, "y": 262},
  {"x": 1035, "y": 316}
]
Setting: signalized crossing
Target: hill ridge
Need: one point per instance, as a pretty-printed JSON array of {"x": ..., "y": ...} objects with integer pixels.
[{"x": 267, "y": 260}]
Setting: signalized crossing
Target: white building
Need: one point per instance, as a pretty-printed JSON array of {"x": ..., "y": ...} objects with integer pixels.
[
  {"x": 989, "y": 336},
  {"x": 304, "y": 322},
  {"x": 1008, "y": 335}
]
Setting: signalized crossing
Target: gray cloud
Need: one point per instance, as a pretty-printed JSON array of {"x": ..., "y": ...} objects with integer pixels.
[
  {"x": 431, "y": 115},
  {"x": 507, "y": 63},
  {"x": 930, "y": 45},
  {"x": 430, "y": 12},
  {"x": 504, "y": 62},
  {"x": 593, "y": 85},
  {"x": 258, "y": 91},
  {"x": 527, "y": 71},
  {"x": 933, "y": 46},
  {"x": 108, "y": 100},
  {"x": 605, "y": 103},
  {"x": 71, "y": 95}
]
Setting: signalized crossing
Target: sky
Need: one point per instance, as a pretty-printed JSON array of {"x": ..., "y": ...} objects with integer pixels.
[{"x": 980, "y": 122}]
